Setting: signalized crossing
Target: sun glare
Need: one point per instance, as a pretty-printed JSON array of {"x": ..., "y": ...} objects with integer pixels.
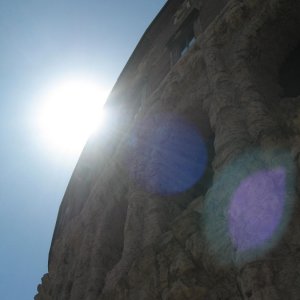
[{"x": 70, "y": 113}]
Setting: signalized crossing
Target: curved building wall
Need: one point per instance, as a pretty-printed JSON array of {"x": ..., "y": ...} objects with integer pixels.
[{"x": 190, "y": 190}]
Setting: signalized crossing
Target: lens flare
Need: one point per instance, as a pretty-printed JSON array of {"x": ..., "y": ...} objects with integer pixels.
[
  {"x": 167, "y": 154},
  {"x": 256, "y": 208},
  {"x": 249, "y": 206}
]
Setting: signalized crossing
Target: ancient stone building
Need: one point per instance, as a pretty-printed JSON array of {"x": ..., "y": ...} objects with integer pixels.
[{"x": 190, "y": 189}]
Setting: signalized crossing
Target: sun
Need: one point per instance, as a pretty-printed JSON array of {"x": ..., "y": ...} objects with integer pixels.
[{"x": 71, "y": 110}]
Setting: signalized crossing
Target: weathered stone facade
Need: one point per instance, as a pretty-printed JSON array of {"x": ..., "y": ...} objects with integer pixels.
[{"x": 235, "y": 232}]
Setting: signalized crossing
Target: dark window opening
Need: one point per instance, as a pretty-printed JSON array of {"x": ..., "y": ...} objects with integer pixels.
[
  {"x": 184, "y": 38},
  {"x": 201, "y": 187},
  {"x": 187, "y": 43},
  {"x": 289, "y": 76}
]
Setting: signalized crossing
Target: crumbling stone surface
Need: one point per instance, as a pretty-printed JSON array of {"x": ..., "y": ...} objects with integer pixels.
[{"x": 117, "y": 238}]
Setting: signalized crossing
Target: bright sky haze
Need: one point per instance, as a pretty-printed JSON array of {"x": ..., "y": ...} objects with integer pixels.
[{"x": 48, "y": 50}]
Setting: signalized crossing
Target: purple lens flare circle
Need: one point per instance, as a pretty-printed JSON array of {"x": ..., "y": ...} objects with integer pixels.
[
  {"x": 256, "y": 208},
  {"x": 249, "y": 206}
]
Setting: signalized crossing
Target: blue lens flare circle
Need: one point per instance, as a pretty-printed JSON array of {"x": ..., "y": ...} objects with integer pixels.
[{"x": 168, "y": 155}]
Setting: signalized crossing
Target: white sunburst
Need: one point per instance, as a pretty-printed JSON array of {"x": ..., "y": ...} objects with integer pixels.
[{"x": 70, "y": 111}]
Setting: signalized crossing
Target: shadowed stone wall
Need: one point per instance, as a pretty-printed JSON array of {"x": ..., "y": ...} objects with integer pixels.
[{"x": 190, "y": 189}]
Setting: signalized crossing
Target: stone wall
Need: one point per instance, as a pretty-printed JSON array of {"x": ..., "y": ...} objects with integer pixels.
[{"x": 139, "y": 221}]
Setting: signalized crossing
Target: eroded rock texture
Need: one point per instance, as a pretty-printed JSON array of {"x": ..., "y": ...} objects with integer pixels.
[{"x": 190, "y": 190}]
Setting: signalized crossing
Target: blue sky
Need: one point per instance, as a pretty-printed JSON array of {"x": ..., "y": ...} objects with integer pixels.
[{"x": 40, "y": 41}]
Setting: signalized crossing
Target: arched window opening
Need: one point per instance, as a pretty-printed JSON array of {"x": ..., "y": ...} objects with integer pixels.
[{"x": 289, "y": 74}]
